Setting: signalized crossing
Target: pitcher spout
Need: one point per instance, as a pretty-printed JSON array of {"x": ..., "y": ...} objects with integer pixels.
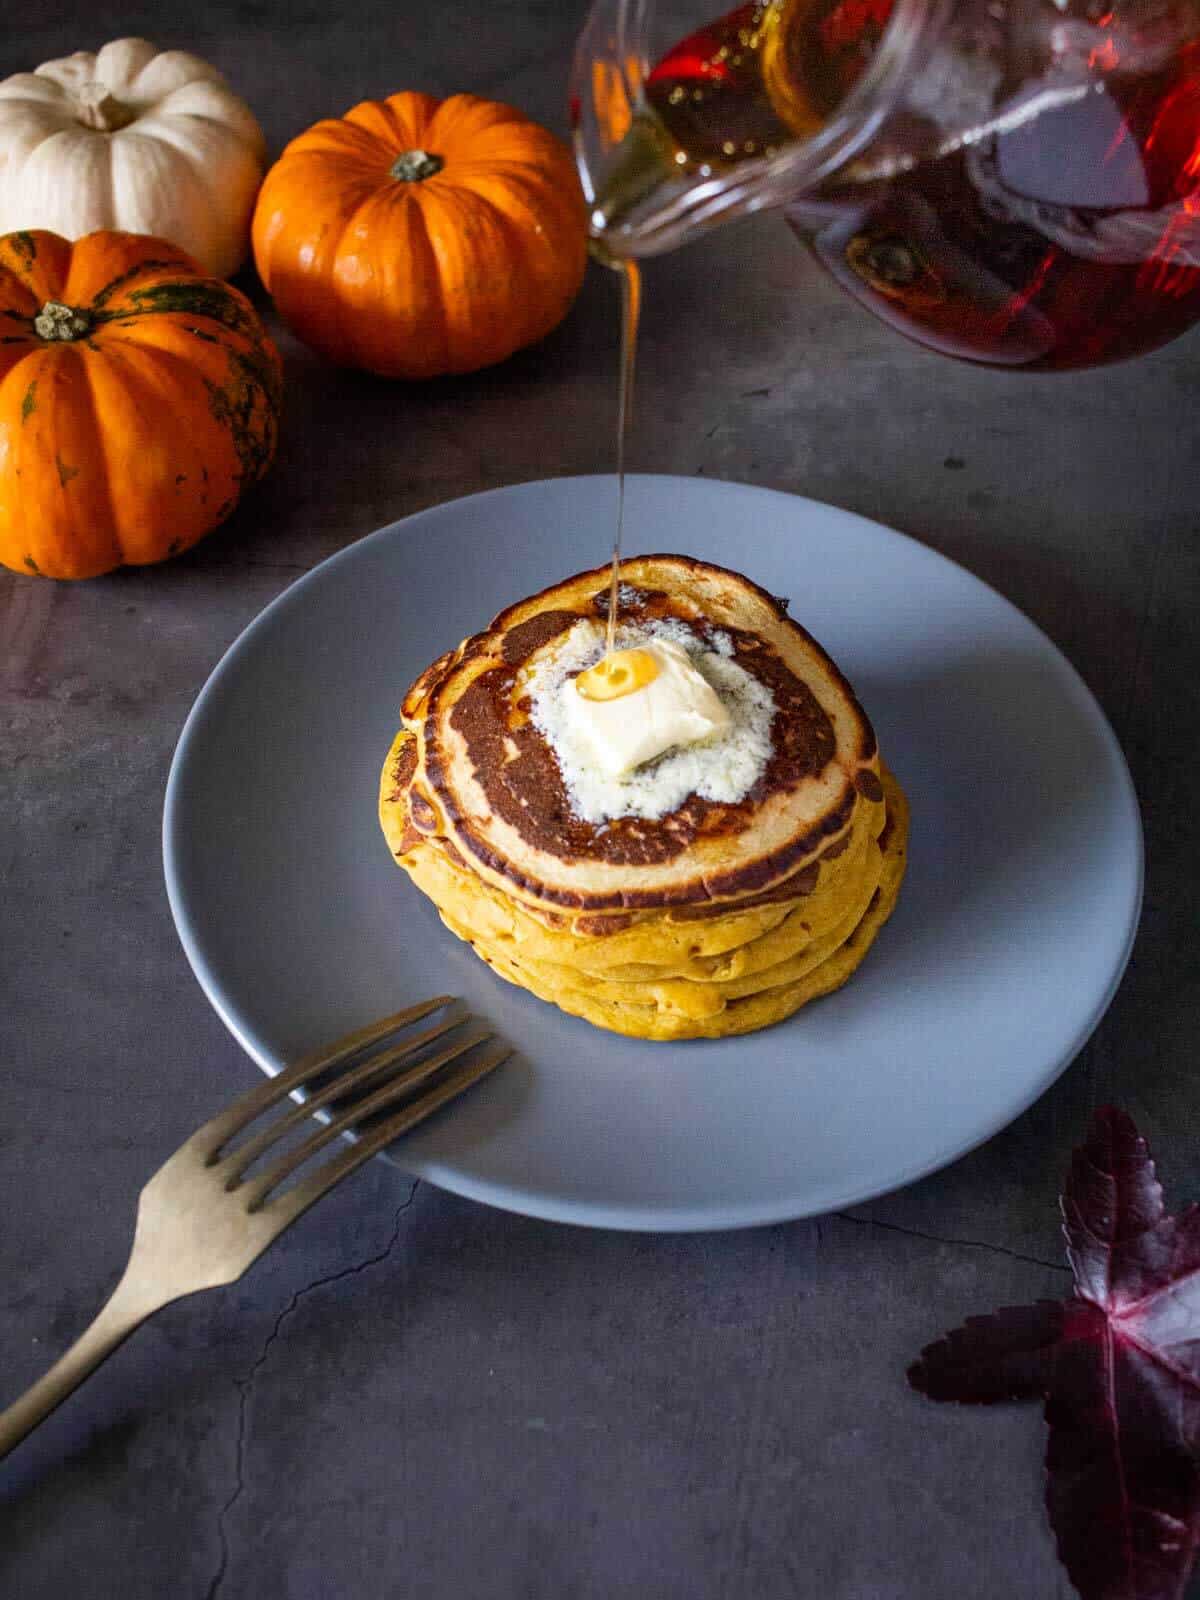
[{"x": 632, "y": 187}]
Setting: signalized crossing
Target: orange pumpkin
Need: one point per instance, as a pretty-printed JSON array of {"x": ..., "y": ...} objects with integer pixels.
[
  {"x": 138, "y": 399},
  {"x": 415, "y": 237}
]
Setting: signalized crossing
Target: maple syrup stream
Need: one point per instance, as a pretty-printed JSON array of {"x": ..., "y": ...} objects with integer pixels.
[{"x": 631, "y": 307}]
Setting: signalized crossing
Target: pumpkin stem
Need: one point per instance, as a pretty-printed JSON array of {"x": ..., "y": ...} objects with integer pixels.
[
  {"x": 411, "y": 166},
  {"x": 97, "y": 107},
  {"x": 57, "y": 321}
]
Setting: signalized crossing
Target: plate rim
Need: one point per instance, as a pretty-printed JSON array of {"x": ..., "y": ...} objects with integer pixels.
[{"x": 679, "y": 1219}]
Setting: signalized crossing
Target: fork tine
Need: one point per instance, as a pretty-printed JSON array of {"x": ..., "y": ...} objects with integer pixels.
[
  {"x": 210, "y": 1137},
  {"x": 395, "y": 1089},
  {"x": 374, "y": 1066},
  {"x": 330, "y": 1173}
]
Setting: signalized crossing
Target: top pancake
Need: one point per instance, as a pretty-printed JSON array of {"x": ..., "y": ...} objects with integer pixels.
[{"x": 484, "y": 780}]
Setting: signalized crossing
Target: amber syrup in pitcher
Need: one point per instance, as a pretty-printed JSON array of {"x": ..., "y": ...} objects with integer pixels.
[{"x": 1071, "y": 240}]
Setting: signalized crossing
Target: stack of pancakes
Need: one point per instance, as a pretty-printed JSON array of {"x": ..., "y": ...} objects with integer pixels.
[{"x": 715, "y": 919}]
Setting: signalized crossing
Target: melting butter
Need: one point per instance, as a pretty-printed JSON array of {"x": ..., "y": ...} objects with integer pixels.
[{"x": 639, "y": 703}]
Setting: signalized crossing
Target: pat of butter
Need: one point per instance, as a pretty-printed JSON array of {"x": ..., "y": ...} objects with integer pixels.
[{"x": 677, "y": 707}]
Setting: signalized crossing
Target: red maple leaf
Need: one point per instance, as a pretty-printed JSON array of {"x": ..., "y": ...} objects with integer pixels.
[{"x": 1118, "y": 1365}]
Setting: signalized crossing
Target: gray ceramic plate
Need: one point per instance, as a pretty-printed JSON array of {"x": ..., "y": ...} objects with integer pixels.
[{"x": 1012, "y": 932}]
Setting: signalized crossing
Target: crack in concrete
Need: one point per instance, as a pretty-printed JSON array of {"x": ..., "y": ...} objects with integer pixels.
[
  {"x": 244, "y": 1385},
  {"x": 969, "y": 1244}
]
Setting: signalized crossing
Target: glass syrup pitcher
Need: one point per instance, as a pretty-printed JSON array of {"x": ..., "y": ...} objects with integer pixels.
[{"x": 1014, "y": 182}]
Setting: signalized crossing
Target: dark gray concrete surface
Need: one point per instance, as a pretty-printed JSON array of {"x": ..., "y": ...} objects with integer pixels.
[{"x": 412, "y": 1395}]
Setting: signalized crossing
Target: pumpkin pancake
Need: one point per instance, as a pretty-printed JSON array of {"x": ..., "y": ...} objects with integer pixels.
[{"x": 711, "y": 891}]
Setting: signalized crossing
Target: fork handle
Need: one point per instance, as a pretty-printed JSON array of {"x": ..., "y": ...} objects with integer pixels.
[{"x": 124, "y": 1311}]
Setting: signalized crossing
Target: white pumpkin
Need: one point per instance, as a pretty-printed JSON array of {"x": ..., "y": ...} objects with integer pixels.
[{"x": 135, "y": 138}]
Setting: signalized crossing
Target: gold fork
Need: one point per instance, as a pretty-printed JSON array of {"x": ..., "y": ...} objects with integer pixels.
[{"x": 202, "y": 1219}]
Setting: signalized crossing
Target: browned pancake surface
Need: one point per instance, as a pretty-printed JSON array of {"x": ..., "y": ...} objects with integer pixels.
[
  {"x": 519, "y": 774},
  {"x": 527, "y": 789}
]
